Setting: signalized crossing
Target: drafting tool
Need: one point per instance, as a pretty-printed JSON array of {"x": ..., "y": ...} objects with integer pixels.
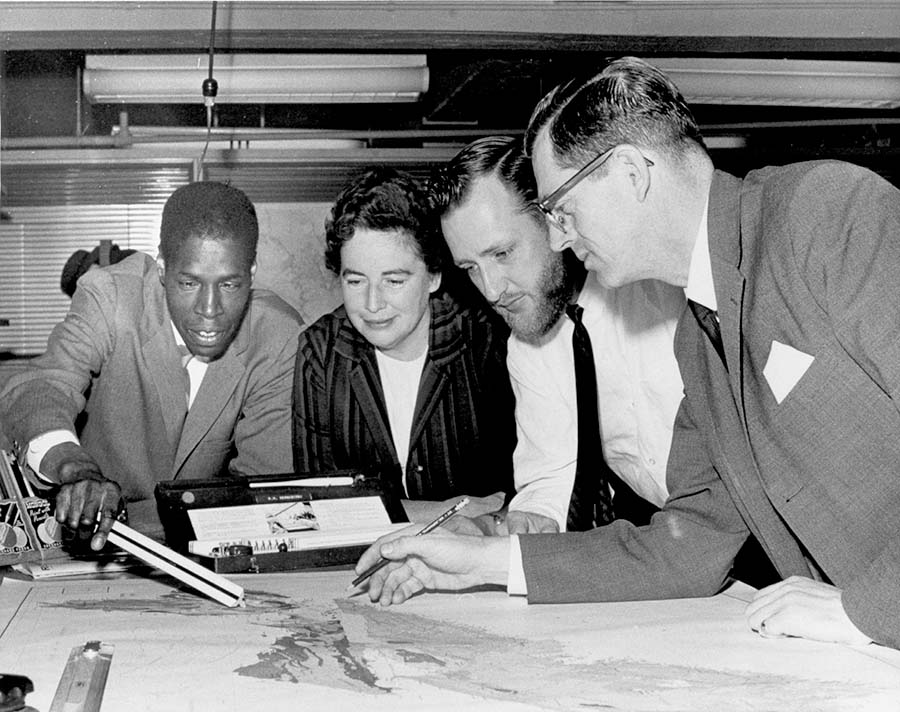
[
  {"x": 83, "y": 680},
  {"x": 303, "y": 541},
  {"x": 193, "y": 574},
  {"x": 382, "y": 562},
  {"x": 179, "y": 500}
]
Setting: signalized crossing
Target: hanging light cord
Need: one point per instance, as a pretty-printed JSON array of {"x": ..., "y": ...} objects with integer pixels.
[{"x": 210, "y": 87}]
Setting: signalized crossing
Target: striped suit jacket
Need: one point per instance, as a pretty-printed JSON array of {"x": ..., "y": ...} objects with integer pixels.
[{"x": 463, "y": 429}]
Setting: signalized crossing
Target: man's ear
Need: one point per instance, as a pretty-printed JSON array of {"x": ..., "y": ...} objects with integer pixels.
[
  {"x": 435, "y": 282},
  {"x": 161, "y": 268},
  {"x": 638, "y": 170},
  {"x": 252, "y": 271}
]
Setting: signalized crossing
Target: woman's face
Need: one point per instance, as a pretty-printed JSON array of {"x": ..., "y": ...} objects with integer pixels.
[{"x": 386, "y": 286}]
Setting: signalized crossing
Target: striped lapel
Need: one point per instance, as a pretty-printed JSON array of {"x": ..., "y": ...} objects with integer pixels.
[
  {"x": 445, "y": 345},
  {"x": 365, "y": 385}
]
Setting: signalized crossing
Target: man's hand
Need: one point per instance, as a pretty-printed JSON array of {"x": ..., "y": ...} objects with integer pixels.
[
  {"x": 87, "y": 503},
  {"x": 440, "y": 560},
  {"x": 530, "y": 523},
  {"x": 803, "y": 608},
  {"x": 481, "y": 525}
]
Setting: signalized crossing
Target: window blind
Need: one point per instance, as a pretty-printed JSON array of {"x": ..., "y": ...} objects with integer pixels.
[
  {"x": 56, "y": 209},
  {"x": 59, "y": 203},
  {"x": 33, "y": 250}
]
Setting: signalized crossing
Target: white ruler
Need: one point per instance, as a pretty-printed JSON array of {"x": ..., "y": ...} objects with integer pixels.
[{"x": 190, "y": 572}]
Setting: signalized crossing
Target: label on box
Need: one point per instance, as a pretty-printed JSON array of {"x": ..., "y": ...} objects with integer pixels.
[
  {"x": 13, "y": 539},
  {"x": 13, "y": 535}
]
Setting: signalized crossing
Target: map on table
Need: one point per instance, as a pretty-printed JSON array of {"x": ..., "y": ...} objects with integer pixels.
[{"x": 301, "y": 643}]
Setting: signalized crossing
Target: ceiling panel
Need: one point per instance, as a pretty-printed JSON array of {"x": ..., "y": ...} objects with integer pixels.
[{"x": 489, "y": 62}]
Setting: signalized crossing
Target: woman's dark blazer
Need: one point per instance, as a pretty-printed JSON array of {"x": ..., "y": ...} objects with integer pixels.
[{"x": 463, "y": 429}]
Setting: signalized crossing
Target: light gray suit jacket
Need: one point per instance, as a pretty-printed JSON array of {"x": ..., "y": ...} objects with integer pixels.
[
  {"x": 805, "y": 258},
  {"x": 113, "y": 367}
]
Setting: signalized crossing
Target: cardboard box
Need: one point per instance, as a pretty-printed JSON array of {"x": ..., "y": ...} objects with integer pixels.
[{"x": 28, "y": 531}]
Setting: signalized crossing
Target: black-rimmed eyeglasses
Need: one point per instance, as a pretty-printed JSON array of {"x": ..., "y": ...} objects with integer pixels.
[{"x": 548, "y": 205}]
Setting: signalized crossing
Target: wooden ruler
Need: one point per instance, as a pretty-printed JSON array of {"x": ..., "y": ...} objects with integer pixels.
[{"x": 84, "y": 678}]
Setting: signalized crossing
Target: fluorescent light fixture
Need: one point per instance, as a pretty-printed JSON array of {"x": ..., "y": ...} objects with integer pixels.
[
  {"x": 255, "y": 78},
  {"x": 785, "y": 82},
  {"x": 725, "y": 142}
]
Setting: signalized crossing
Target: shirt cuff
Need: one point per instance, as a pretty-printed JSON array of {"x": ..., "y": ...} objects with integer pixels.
[
  {"x": 39, "y": 446},
  {"x": 522, "y": 502},
  {"x": 516, "y": 584}
]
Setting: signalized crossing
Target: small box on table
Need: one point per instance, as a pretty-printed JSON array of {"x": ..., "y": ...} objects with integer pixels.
[{"x": 28, "y": 531}]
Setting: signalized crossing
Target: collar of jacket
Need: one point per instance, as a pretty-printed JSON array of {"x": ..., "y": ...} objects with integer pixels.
[
  {"x": 445, "y": 337},
  {"x": 724, "y": 221}
]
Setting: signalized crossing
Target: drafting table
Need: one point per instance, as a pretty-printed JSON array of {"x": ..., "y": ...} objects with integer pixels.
[{"x": 301, "y": 643}]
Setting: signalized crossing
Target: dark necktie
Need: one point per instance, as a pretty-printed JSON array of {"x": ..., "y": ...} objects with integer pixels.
[
  {"x": 709, "y": 322},
  {"x": 591, "y": 503}
]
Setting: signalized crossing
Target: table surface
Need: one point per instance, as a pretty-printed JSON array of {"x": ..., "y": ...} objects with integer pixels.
[{"x": 303, "y": 643}]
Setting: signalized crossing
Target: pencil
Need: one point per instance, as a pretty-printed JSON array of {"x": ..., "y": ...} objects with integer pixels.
[{"x": 425, "y": 530}]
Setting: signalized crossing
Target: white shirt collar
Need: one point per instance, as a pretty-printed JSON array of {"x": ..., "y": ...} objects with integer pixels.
[
  {"x": 700, "y": 287},
  {"x": 178, "y": 340},
  {"x": 195, "y": 367}
]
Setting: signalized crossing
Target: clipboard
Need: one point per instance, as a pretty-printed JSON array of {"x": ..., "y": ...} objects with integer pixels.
[{"x": 176, "y": 500}]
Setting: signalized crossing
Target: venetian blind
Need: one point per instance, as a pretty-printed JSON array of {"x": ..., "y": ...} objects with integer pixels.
[
  {"x": 57, "y": 207},
  {"x": 55, "y": 210}
]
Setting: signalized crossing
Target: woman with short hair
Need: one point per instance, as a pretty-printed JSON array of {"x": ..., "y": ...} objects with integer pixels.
[{"x": 403, "y": 380}]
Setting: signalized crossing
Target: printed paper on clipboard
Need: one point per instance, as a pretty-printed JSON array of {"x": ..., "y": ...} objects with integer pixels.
[{"x": 290, "y": 526}]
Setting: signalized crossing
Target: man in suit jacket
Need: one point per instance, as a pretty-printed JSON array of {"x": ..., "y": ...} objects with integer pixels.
[
  {"x": 109, "y": 409},
  {"x": 788, "y": 429}
]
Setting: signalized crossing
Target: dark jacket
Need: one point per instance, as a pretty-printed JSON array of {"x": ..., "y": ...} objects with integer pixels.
[
  {"x": 805, "y": 260},
  {"x": 463, "y": 431}
]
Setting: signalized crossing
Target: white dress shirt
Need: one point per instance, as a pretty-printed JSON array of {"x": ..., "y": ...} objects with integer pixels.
[
  {"x": 638, "y": 392},
  {"x": 700, "y": 288},
  {"x": 400, "y": 383}
]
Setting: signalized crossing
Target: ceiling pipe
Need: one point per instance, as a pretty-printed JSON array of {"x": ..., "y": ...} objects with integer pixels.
[
  {"x": 129, "y": 137},
  {"x": 802, "y": 124},
  {"x": 130, "y": 140},
  {"x": 12, "y": 144}
]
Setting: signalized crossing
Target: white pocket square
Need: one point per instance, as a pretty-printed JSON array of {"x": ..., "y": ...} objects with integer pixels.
[{"x": 784, "y": 368}]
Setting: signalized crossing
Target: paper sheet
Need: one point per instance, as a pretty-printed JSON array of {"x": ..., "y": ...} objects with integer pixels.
[{"x": 258, "y": 520}]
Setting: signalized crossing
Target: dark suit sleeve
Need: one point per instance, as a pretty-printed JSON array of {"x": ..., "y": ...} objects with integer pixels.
[
  {"x": 311, "y": 424},
  {"x": 686, "y": 551},
  {"x": 852, "y": 267}
]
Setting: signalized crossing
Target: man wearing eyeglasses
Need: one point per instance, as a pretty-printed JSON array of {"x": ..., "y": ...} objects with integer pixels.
[
  {"x": 485, "y": 198},
  {"x": 789, "y": 356}
]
